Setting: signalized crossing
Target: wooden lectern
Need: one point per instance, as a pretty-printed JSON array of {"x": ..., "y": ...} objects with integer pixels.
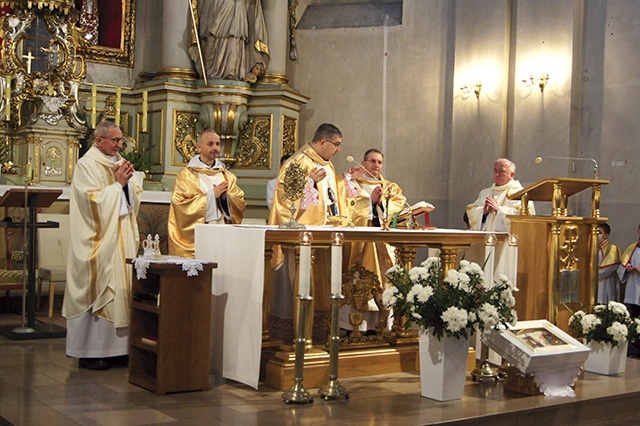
[
  {"x": 558, "y": 254},
  {"x": 31, "y": 199}
]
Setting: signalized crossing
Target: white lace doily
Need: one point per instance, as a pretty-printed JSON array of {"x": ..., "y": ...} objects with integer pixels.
[
  {"x": 557, "y": 382},
  {"x": 190, "y": 266}
]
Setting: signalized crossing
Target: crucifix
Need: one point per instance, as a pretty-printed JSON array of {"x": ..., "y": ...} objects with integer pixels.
[
  {"x": 29, "y": 57},
  {"x": 53, "y": 52}
]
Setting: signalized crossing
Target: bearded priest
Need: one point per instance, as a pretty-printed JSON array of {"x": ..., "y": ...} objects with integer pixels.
[{"x": 204, "y": 192}]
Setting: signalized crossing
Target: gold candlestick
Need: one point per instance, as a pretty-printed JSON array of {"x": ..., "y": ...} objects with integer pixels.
[{"x": 297, "y": 394}]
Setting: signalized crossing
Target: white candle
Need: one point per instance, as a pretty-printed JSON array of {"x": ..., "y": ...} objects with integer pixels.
[
  {"x": 144, "y": 110},
  {"x": 512, "y": 259},
  {"x": 94, "y": 104},
  {"x": 304, "y": 278},
  {"x": 489, "y": 258},
  {"x": 118, "y": 96},
  {"x": 336, "y": 269},
  {"x": 7, "y": 97}
]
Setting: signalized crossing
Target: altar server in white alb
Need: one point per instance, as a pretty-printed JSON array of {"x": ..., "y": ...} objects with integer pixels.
[
  {"x": 102, "y": 210},
  {"x": 608, "y": 262},
  {"x": 489, "y": 212}
]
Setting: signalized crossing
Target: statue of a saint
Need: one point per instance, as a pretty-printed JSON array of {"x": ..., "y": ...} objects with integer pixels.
[{"x": 233, "y": 39}]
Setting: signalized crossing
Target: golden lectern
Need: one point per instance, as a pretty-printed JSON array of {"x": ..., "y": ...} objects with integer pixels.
[{"x": 558, "y": 254}]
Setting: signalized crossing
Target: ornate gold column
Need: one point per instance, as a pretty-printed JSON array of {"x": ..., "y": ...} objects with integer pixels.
[{"x": 553, "y": 279}]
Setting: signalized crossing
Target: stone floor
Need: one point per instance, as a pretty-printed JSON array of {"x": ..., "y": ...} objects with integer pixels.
[{"x": 39, "y": 385}]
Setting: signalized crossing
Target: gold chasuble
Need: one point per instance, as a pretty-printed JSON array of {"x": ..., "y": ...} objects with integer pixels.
[
  {"x": 314, "y": 214},
  {"x": 189, "y": 206},
  {"x": 98, "y": 277},
  {"x": 373, "y": 256}
]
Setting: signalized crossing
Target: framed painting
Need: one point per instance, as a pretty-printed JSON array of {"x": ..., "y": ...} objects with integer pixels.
[
  {"x": 535, "y": 346},
  {"x": 115, "y": 31}
]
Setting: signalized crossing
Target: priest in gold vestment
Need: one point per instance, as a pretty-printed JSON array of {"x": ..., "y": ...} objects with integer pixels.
[
  {"x": 103, "y": 207},
  {"x": 324, "y": 200},
  {"x": 204, "y": 192},
  {"x": 377, "y": 197}
]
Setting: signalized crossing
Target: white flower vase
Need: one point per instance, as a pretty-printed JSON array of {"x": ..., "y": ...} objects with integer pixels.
[
  {"x": 606, "y": 359},
  {"x": 443, "y": 366}
]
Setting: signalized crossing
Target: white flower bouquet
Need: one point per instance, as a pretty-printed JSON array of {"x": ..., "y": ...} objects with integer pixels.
[
  {"x": 610, "y": 323},
  {"x": 451, "y": 305}
]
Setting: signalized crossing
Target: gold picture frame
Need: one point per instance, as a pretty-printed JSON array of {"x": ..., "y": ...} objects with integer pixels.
[{"x": 122, "y": 55}]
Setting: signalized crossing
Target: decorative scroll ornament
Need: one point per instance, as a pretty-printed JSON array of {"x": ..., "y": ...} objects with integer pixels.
[
  {"x": 185, "y": 135},
  {"x": 253, "y": 148}
]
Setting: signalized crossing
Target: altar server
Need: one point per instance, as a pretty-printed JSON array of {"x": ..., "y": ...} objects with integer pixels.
[{"x": 608, "y": 261}]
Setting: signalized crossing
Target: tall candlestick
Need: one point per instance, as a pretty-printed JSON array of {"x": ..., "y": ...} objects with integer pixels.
[
  {"x": 304, "y": 277},
  {"x": 7, "y": 97},
  {"x": 336, "y": 263},
  {"x": 489, "y": 257},
  {"x": 145, "y": 99},
  {"x": 94, "y": 105},
  {"x": 512, "y": 259},
  {"x": 118, "y": 96}
]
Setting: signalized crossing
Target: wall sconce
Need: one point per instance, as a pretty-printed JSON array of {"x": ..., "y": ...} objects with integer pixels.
[
  {"x": 475, "y": 88},
  {"x": 540, "y": 81}
]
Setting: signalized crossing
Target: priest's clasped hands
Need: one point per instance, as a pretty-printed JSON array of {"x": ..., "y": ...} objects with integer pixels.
[
  {"x": 490, "y": 205},
  {"x": 220, "y": 190},
  {"x": 124, "y": 172}
]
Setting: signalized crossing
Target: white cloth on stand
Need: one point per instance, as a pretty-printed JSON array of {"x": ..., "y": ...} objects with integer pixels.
[{"x": 237, "y": 297}]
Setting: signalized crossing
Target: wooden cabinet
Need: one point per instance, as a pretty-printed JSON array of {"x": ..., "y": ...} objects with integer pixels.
[{"x": 170, "y": 329}]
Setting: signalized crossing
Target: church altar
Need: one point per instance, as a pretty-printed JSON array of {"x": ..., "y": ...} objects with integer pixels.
[{"x": 243, "y": 278}]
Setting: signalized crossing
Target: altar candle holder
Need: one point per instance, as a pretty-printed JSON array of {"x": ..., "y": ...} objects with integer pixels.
[
  {"x": 145, "y": 100},
  {"x": 94, "y": 105},
  {"x": 297, "y": 394},
  {"x": 486, "y": 371},
  {"x": 333, "y": 389},
  {"x": 118, "y": 100}
]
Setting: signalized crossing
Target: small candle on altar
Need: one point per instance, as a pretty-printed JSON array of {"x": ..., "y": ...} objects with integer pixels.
[
  {"x": 7, "y": 97},
  {"x": 145, "y": 99},
  {"x": 336, "y": 269},
  {"x": 94, "y": 105},
  {"x": 118, "y": 97}
]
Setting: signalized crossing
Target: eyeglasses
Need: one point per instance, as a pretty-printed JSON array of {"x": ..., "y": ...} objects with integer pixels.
[
  {"x": 114, "y": 140},
  {"x": 336, "y": 144}
]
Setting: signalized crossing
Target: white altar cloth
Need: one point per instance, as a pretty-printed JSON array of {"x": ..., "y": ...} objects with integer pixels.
[
  {"x": 238, "y": 283},
  {"x": 236, "y": 333}
]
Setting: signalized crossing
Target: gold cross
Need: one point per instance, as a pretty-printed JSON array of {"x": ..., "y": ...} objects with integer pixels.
[{"x": 29, "y": 57}]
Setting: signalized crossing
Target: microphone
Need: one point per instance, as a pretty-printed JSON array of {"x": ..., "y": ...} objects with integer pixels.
[
  {"x": 351, "y": 160},
  {"x": 538, "y": 160}
]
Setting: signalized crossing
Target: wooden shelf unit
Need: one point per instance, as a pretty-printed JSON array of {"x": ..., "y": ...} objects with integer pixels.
[{"x": 180, "y": 323}]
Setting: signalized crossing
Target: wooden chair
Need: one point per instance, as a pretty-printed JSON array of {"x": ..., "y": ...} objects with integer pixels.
[
  {"x": 53, "y": 244},
  {"x": 10, "y": 279}
]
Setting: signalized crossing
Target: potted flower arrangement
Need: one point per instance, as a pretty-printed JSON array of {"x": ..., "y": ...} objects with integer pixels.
[
  {"x": 447, "y": 309},
  {"x": 607, "y": 331}
]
